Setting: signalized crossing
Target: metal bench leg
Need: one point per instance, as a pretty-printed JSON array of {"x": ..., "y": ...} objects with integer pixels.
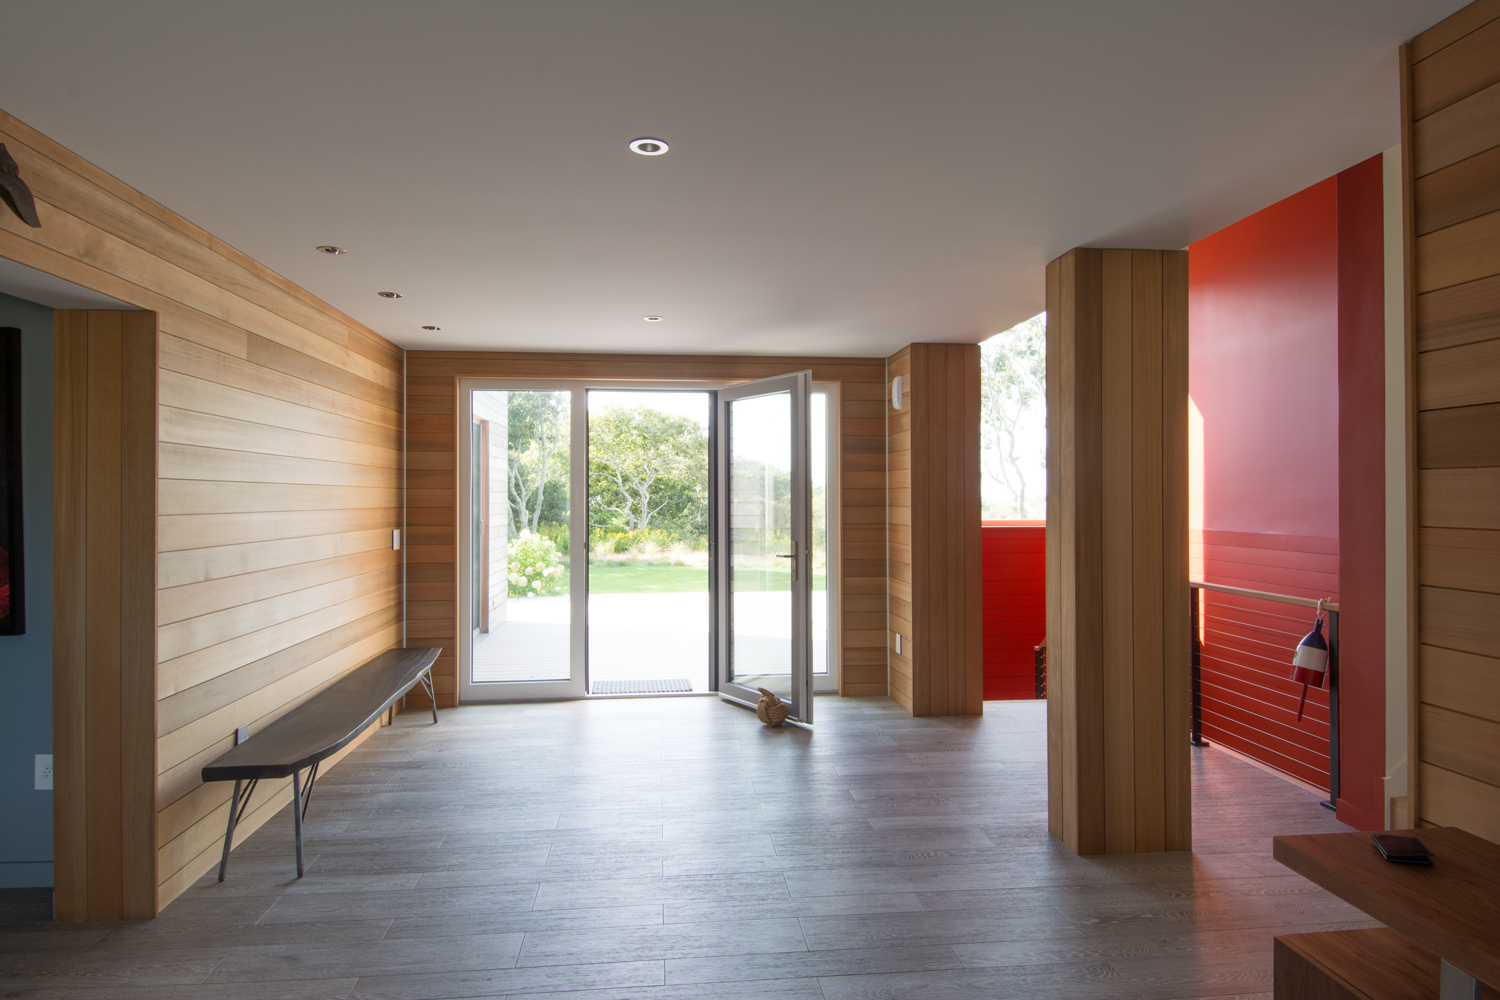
[
  {"x": 237, "y": 807},
  {"x": 426, "y": 680},
  {"x": 297, "y": 815}
]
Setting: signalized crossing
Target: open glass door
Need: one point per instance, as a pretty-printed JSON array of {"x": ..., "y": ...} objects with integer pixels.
[{"x": 765, "y": 568}]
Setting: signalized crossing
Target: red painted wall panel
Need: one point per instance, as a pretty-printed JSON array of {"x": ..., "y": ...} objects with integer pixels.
[
  {"x": 1286, "y": 327},
  {"x": 1362, "y": 494},
  {"x": 1015, "y": 605}
]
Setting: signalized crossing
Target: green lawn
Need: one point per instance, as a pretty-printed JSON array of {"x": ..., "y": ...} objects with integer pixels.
[{"x": 654, "y": 578}]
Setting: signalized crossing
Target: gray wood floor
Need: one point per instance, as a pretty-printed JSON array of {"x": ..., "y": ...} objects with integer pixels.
[{"x": 673, "y": 849}]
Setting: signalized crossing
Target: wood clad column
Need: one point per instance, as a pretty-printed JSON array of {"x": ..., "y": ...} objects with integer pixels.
[
  {"x": 104, "y": 622},
  {"x": 935, "y": 549},
  {"x": 1117, "y": 597}
]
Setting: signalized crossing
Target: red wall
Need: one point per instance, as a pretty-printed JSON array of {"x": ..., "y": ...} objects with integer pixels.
[
  {"x": 1015, "y": 605},
  {"x": 1362, "y": 494},
  {"x": 1286, "y": 332}
]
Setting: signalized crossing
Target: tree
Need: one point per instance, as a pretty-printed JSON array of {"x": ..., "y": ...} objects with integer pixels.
[
  {"x": 536, "y": 452},
  {"x": 648, "y": 468},
  {"x": 1013, "y": 387}
]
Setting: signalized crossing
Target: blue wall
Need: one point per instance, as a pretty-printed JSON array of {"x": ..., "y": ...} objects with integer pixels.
[{"x": 26, "y": 660}]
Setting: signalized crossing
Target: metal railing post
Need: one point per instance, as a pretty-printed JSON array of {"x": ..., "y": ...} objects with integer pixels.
[
  {"x": 1040, "y": 663},
  {"x": 1195, "y": 598}
]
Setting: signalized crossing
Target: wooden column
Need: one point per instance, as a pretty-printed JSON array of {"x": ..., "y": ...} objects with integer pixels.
[
  {"x": 104, "y": 619},
  {"x": 1117, "y": 596},
  {"x": 935, "y": 546}
]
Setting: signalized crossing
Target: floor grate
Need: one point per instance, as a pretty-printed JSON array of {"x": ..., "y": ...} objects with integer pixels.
[{"x": 670, "y": 685}]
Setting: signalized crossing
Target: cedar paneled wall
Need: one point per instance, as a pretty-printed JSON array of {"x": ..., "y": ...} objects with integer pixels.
[
  {"x": 1117, "y": 563},
  {"x": 279, "y": 455},
  {"x": 1452, "y": 103},
  {"x": 432, "y": 485},
  {"x": 898, "y": 458},
  {"x": 936, "y": 558},
  {"x": 104, "y": 577}
]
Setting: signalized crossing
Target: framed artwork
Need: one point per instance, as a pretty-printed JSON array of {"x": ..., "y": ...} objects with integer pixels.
[{"x": 12, "y": 567}]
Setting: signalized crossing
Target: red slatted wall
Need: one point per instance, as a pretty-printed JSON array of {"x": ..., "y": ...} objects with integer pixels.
[{"x": 1015, "y": 605}]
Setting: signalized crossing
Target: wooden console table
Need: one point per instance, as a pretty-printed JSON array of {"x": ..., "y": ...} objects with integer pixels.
[{"x": 1443, "y": 919}]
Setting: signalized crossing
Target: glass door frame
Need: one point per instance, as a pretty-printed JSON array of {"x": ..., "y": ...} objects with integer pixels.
[
  {"x": 576, "y": 686},
  {"x": 492, "y": 691},
  {"x": 798, "y": 385}
]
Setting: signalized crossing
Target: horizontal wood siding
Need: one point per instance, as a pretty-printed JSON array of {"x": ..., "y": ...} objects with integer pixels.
[
  {"x": 280, "y": 455},
  {"x": 432, "y": 485},
  {"x": 1452, "y": 118}
]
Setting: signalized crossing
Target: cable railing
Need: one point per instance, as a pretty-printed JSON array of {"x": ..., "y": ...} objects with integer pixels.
[
  {"x": 1274, "y": 641},
  {"x": 1196, "y": 589}
]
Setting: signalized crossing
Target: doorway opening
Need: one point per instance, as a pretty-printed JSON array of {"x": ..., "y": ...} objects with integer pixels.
[{"x": 591, "y": 529}]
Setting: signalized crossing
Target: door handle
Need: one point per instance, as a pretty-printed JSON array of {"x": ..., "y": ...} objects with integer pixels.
[{"x": 792, "y": 555}]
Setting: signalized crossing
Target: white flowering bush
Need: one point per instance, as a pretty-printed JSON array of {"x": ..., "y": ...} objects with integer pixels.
[{"x": 536, "y": 567}]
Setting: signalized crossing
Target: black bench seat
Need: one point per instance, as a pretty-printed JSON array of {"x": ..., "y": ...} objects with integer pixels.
[{"x": 316, "y": 730}]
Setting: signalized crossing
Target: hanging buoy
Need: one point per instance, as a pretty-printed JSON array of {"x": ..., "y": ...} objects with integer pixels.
[{"x": 1310, "y": 664}]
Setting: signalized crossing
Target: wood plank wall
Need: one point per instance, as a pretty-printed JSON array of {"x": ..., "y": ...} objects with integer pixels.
[
  {"x": 898, "y": 460},
  {"x": 936, "y": 555},
  {"x": 280, "y": 456},
  {"x": 1452, "y": 144},
  {"x": 1117, "y": 597},
  {"x": 104, "y": 577},
  {"x": 432, "y": 485}
]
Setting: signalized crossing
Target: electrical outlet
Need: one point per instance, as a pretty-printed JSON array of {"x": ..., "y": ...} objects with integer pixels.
[
  {"x": 241, "y": 735},
  {"x": 395, "y": 539},
  {"x": 43, "y": 782}
]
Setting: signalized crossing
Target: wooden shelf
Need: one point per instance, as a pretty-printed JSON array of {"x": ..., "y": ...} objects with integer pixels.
[{"x": 1451, "y": 908}]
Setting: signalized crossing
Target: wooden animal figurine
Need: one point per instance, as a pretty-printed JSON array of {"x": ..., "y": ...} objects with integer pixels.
[{"x": 771, "y": 710}]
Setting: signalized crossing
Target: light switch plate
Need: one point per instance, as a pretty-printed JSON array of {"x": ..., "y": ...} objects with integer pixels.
[
  {"x": 395, "y": 539},
  {"x": 241, "y": 735},
  {"x": 43, "y": 781}
]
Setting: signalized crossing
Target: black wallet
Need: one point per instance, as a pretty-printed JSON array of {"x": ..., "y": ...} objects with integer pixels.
[{"x": 1406, "y": 850}]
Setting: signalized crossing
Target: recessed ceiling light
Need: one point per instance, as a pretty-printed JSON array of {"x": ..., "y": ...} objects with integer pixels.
[
  {"x": 333, "y": 251},
  {"x": 653, "y": 319},
  {"x": 389, "y": 295},
  {"x": 648, "y": 147},
  {"x": 432, "y": 328}
]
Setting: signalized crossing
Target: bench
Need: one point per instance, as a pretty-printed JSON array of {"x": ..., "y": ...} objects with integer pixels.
[
  {"x": 316, "y": 730},
  {"x": 1442, "y": 933}
]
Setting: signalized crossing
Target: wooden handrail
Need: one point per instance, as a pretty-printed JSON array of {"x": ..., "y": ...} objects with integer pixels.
[{"x": 1306, "y": 602}]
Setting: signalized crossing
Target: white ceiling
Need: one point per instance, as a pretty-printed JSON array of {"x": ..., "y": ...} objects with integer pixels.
[{"x": 846, "y": 176}]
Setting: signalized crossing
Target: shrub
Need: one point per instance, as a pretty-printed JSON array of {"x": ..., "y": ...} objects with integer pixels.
[
  {"x": 536, "y": 567},
  {"x": 555, "y": 531}
]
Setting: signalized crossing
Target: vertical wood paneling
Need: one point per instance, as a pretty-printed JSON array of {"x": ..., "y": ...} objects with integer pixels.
[
  {"x": 1117, "y": 551},
  {"x": 104, "y": 647},
  {"x": 899, "y": 511},
  {"x": 1453, "y": 159},
  {"x": 278, "y": 436},
  {"x": 934, "y": 439},
  {"x": 432, "y": 486}
]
